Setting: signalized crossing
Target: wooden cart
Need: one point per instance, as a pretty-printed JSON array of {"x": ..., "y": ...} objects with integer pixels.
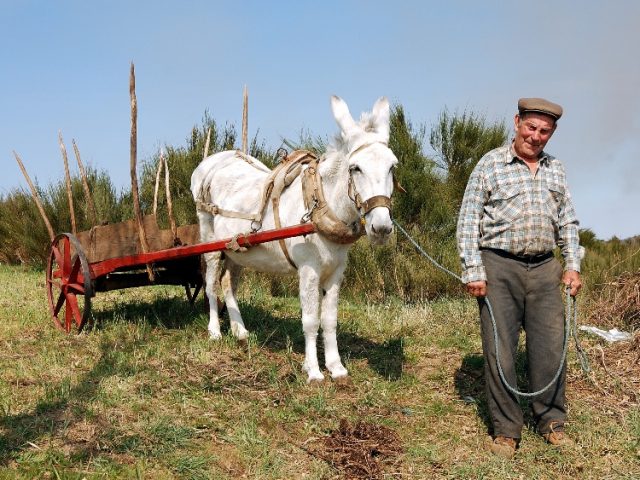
[{"x": 75, "y": 274}]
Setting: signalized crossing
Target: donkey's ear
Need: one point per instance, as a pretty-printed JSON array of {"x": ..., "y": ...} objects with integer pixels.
[
  {"x": 380, "y": 113},
  {"x": 341, "y": 113}
]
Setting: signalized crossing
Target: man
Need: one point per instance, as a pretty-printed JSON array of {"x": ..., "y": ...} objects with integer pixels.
[{"x": 516, "y": 210}]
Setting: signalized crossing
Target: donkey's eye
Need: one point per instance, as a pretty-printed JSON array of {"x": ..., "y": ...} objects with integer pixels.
[{"x": 354, "y": 169}]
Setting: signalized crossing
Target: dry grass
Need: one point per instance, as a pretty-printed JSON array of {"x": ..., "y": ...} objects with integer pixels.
[
  {"x": 618, "y": 303},
  {"x": 615, "y": 383}
]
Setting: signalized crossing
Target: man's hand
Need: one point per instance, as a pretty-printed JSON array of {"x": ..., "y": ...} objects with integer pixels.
[
  {"x": 571, "y": 279},
  {"x": 477, "y": 289}
]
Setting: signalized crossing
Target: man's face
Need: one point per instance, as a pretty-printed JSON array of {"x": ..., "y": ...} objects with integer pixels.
[{"x": 533, "y": 131}]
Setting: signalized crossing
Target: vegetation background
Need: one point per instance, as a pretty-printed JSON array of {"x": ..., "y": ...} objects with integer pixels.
[
  {"x": 144, "y": 393},
  {"x": 434, "y": 182}
]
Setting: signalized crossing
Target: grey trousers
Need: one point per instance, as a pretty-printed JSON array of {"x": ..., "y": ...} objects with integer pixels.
[{"x": 523, "y": 294}]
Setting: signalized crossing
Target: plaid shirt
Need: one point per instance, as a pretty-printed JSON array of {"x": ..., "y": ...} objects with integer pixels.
[{"x": 506, "y": 207}]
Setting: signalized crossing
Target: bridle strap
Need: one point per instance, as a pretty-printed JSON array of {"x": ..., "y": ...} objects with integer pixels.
[
  {"x": 375, "y": 201},
  {"x": 363, "y": 146}
]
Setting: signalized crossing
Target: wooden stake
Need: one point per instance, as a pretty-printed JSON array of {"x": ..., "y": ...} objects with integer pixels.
[
  {"x": 36, "y": 198},
  {"x": 133, "y": 165},
  {"x": 206, "y": 145},
  {"x": 67, "y": 178},
  {"x": 85, "y": 185},
  {"x": 172, "y": 220},
  {"x": 155, "y": 190},
  {"x": 245, "y": 119}
]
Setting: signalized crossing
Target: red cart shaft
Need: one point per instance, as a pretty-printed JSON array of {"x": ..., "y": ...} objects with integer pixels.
[{"x": 104, "y": 267}]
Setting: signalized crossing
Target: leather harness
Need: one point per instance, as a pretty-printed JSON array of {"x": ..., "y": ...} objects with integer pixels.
[{"x": 318, "y": 211}]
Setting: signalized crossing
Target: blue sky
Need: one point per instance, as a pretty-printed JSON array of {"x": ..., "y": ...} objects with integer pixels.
[{"x": 65, "y": 68}]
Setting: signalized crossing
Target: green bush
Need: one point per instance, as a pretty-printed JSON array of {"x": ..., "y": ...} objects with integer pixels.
[{"x": 26, "y": 239}]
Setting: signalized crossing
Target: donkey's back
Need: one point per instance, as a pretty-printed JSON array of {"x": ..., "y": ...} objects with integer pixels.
[{"x": 230, "y": 180}]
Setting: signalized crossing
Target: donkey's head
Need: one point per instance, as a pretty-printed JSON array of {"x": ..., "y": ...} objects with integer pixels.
[{"x": 370, "y": 163}]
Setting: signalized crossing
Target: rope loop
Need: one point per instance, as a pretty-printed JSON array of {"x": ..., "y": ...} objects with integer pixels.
[{"x": 571, "y": 320}]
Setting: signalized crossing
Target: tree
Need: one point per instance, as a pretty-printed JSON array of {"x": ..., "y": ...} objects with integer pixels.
[
  {"x": 415, "y": 172},
  {"x": 459, "y": 141}
]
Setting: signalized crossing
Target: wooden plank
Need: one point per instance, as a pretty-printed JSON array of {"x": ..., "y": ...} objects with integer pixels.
[
  {"x": 121, "y": 239},
  {"x": 189, "y": 234}
]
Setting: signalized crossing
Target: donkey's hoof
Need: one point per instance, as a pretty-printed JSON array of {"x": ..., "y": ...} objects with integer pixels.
[
  {"x": 315, "y": 378},
  {"x": 239, "y": 332},
  {"x": 338, "y": 372},
  {"x": 215, "y": 335}
]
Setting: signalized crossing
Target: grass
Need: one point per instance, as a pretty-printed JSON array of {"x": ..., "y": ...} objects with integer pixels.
[{"x": 144, "y": 393}]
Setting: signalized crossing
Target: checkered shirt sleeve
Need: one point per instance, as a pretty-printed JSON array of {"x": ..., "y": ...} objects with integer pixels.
[{"x": 468, "y": 229}]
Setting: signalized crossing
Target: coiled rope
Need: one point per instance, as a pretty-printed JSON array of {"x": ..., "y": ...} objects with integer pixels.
[{"x": 570, "y": 328}]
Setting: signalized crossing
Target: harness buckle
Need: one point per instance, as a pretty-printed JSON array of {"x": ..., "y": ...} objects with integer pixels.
[
  {"x": 307, "y": 216},
  {"x": 282, "y": 154},
  {"x": 234, "y": 245},
  {"x": 256, "y": 225}
]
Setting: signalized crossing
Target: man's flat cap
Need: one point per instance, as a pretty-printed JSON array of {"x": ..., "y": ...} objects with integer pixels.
[{"x": 540, "y": 105}]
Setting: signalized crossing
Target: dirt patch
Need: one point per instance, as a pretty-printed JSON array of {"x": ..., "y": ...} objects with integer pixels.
[{"x": 360, "y": 451}]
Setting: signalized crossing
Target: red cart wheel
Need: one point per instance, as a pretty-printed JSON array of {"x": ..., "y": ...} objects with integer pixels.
[{"x": 67, "y": 277}]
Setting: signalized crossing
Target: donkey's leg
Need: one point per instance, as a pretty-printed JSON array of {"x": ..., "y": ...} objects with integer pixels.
[
  {"x": 329, "y": 320},
  {"x": 229, "y": 284},
  {"x": 212, "y": 276},
  {"x": 212, "y": 273},
  {"x": 309, "y": 302}
]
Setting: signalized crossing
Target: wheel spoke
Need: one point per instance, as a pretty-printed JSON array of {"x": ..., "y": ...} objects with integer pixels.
[
  {"x": 75, "y": 269},
  {"x": 59, "y": 304},
  {"x": 57, "y": 255},
  {"x": 72, "y": 304},
  {"x": 68, "y": 314},
  {"x": 66, "y": 261},
  {"x": 77, "y": 288},
  {"x": 53, "y": 283}
]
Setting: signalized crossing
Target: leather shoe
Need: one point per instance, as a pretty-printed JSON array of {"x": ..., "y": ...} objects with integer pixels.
[
  {"x": 504, "y": 447},
  {"x": 558, "y": 439}
]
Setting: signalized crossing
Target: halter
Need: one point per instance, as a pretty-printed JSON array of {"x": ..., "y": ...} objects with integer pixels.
[{"x": 369, "y": 204}]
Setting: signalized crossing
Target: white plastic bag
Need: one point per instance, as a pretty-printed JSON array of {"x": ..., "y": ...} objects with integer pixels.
[{"x": 613, "y": 335}]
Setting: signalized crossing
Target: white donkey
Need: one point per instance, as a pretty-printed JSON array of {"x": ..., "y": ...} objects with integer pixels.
[{"x": 357, "y": 167}]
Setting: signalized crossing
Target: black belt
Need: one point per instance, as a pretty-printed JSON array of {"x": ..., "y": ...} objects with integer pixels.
[{"x": 521, "y": 258}]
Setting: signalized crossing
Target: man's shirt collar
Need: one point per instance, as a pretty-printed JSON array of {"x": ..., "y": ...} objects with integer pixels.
[{"x": 543, "y": 158}]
